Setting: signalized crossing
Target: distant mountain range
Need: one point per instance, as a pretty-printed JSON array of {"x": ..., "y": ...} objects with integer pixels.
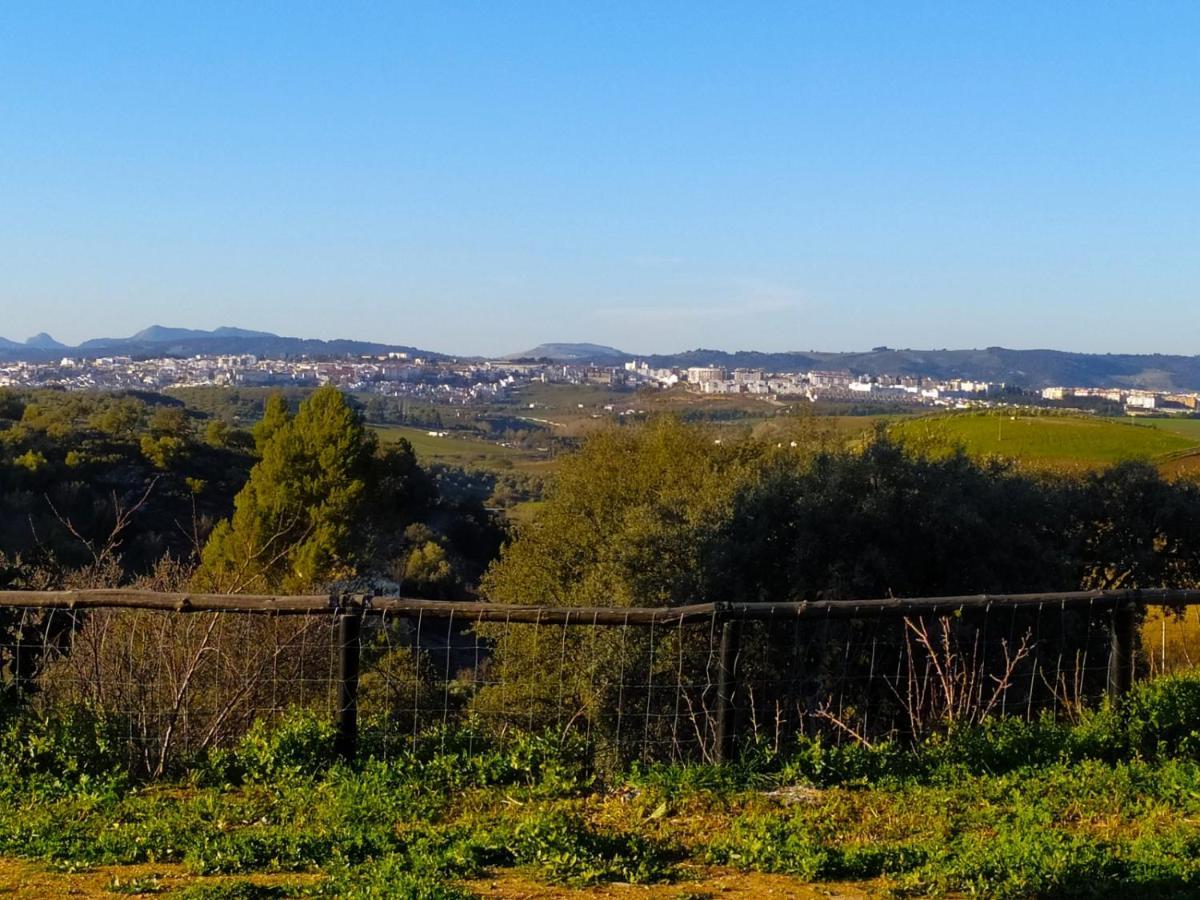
[
  {"x": 41, "y": 341},
  {"x": 1027, "y": 368},
  {"x": 158, "y": 340}
]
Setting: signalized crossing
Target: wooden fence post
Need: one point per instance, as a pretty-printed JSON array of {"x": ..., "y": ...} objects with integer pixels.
[
  {"x": 731, "y": 632},
  {"x": 349, "y": 634},
  {"x": 1122, "y": 638}
]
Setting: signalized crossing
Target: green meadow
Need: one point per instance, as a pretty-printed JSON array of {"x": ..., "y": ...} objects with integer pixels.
[
  {"x": 462, "y": 451},
  {"x": 1103, "y": 806},
  {"x": 1053, "y": 441}
]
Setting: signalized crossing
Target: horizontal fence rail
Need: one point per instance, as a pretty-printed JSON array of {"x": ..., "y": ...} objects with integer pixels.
[
  {"x": 683, "y": 682},
  {"x": 561, "y": 615}
]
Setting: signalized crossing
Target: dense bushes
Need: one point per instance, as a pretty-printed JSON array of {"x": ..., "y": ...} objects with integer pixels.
[{"x": 666, "y": 515}]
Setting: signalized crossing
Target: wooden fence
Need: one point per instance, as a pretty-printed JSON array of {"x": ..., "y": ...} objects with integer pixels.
[{"x": 1120, "y": 610}]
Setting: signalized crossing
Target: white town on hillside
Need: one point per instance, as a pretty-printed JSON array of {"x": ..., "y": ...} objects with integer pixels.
[{"x": 466, "y": 382}]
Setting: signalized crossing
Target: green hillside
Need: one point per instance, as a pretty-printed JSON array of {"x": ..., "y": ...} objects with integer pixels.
[{"x": 1048, "y": 441}]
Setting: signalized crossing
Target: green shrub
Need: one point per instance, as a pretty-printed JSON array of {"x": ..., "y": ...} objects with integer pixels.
[
  {"x": 467, "y": 756},
  {"x": 73, "y": 748},
  {"x": 1162, "y": 717},
  {"x": 819, "y": 763},
  {"x": 390, "y": 877},
  {"x": 567, "y": 850},
  {"x": 1023, "y": 859},
  {"x": 274, "y": 849},
  {"x": 301, "y": 744},
  {"x": 770, "y": 843}
]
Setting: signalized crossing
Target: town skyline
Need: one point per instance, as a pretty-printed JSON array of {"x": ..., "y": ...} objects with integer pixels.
[{"x": 160, "y": 356}]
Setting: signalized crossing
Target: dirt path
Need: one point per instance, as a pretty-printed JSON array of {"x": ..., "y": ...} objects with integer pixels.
[
  {"x": 718, "y": 884},
  {"x": 21, "y": 880}
]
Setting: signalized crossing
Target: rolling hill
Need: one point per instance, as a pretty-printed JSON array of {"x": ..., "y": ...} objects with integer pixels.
[{"x": 158, "y": 340}]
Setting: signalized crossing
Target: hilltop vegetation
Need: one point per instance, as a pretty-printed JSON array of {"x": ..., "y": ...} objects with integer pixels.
[{"x": 107, "y": 487}]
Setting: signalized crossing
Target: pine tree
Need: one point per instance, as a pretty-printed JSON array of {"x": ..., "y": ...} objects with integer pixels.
[{"x": 297, "y": 522}]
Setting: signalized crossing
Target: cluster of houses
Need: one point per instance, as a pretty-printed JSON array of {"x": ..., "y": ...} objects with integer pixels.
[
  {"x": 817, "y": 385},
  {"x": 1136, "y": 402},
  {"x": 471, "y": 381},
  {"x": 393, "y": 375}
]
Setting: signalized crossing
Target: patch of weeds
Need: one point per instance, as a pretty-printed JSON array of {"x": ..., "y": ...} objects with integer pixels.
[
  {"x": 264, "y": 849},
  {"x": 237, "y": 890},
  {"x": 793, "y": 846},
  {"x": 391, "y": 876},
  {"x": 1024, "y": 860},
  {"x": 136, "y": 884},
  {"x": 567, "y": 850},
  {"x": 770, "y": 844},
  {"x": 300, "y": 744},
  {"x": 73, "y": 750},
  {"x": 676, "y": 780}
]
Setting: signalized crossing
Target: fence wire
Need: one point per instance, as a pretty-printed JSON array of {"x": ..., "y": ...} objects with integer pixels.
[
  {"x": 177, "y": 683},
  {"x": 180, "y": 683}
]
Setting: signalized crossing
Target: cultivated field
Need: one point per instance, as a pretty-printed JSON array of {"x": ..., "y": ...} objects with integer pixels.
[
  {"x": 465, "y": 451},
  {"x": 1062, "y": 442},
  {"x": 1058, "y": 442}
]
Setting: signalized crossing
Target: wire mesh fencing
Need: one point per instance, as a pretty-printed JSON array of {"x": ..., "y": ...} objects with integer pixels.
[
  {"x": 176, "y": 683},
  {"x": 185, "y": 673}
]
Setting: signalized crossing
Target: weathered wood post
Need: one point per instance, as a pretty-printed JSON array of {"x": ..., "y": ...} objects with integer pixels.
[
  {"x": 1122, "y": 637},
  {"x": 349, "y": 633},
  {"x": 731, "y": 634}
]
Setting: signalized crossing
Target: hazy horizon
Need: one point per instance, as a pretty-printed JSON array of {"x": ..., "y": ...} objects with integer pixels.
[
  {"x": 480, "y": 180},
  {"x": 654, "y": 351}
]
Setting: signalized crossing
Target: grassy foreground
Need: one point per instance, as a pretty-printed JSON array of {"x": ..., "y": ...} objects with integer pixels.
[{"x": 1108, "y": 806}]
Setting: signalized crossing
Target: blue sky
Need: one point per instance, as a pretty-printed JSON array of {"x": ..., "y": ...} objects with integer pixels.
[{"x": 483, "y": 177}]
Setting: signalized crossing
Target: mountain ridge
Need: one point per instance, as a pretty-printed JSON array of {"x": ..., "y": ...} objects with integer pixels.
[
  {"x": 1027, "y": 368},
  {"x": 43, "y": 341},
  {"x": 160, "y": 340},
  {"x": 1034, "y": 368},
  {"x": 568, "y": 352}
]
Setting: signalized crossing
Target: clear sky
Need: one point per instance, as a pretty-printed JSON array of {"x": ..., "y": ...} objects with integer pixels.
[{"x": 482, "y": 177}]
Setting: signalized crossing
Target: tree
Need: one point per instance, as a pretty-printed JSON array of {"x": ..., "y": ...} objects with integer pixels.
[
  {"x": 170, "y": 421},
  {"x": 1136, "y": 530},
  {"x": 275, "y": 416},
  {"x": 217, "y": 433},
  {"x": 625, "y": 520},
  {"x": 162, "y": 451},
  {"x": 665, "y": 515},
  {"x": 298, "y": 521},
  {"x": 428, "y": 572},
  {"x": 120, "y": 418}
]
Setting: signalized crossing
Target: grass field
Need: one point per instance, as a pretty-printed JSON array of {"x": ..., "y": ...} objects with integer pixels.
[
  {"x": 1059, "y": 442},
  {"x": 575, "y": 410},
  {"x": 1107, "y": 806},
  {"x": 1187, "y": 427},
  {"x": 465, "y": 452},
  {"x": 1049, "y": 441}
]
